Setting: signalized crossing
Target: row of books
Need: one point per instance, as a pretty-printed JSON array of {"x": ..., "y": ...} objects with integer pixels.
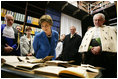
[
  {"x": 32, "y": 20},
  {"x": 56, "y": 29},
  {"x": 17, "y": 16},
  {"x": 34, "y": 29},
  {"x": 56, "y": 16}
]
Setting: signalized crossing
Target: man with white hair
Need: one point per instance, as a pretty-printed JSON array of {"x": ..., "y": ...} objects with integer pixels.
[
  {"x": 8, "y": 37},
  {"x": 99, "y": 46},
  {"x": 71, "y": 45}
]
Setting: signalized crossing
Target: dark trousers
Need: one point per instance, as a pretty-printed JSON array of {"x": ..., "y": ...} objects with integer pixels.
[{"x": 106, "y": 60}]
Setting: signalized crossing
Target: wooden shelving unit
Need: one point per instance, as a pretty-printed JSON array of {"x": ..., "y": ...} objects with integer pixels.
[{"x": 23, "y": 7}]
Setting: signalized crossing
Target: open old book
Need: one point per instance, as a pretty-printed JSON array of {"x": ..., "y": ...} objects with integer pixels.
[
  {"x": 70, "y": 72},
  {"x": 25, "y": 62}
]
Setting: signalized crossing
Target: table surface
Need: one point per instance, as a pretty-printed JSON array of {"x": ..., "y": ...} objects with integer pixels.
[{"x": 5, "y": 70}]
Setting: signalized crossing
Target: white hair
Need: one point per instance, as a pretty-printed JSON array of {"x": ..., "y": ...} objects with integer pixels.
[
  {"x": 99, "y": 14},
  {"x": 73, "y": 27}
]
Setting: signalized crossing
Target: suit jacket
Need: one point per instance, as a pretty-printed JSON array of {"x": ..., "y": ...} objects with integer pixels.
[
  {"x": 108, "y": 37},
  {"x": 70, "y": 48},
  {"x": 5, "y": 40},
  {"x": 43, "y": 47},
  {"x": 25, "y": 46}
]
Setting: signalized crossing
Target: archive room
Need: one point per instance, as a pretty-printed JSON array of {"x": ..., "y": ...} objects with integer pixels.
[{"x": 58, "y": 39}]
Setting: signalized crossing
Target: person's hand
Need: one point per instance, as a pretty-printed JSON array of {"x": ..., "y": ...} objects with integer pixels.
[
  {"x": 8, "y": 49},
  {"x": 95, "y": 50},
  {"x": 29, "y": 54}
]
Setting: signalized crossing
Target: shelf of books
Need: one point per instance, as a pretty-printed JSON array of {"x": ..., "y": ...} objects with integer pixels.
[
  {"x": 19, "y": 20},
  {"x": 17, "y": 16},
  {"x": 31, "y": 19},
  {"x": 56, "y": 17}
]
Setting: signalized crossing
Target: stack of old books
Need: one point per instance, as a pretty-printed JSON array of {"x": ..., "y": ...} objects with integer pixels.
[{"x": 46, "y": 67}]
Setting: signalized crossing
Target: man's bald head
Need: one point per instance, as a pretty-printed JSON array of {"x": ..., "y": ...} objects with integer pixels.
[{"x": 9, "y": 19}]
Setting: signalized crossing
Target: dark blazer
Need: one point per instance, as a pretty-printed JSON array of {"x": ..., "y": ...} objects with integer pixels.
[{"x": 70, "y": 48}]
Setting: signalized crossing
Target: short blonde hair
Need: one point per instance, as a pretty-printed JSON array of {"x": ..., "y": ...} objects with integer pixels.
[
  {"x": 99, "y": 14},
  {"x": 46, "y": 18}
]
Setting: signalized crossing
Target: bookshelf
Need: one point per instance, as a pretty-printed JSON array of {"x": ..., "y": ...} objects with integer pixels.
[
  {"x": 56, "y": 17},
  {"x": 27, "y": 13},
  {"x": 32, "y": 11},
  {"x": 21, "y": 11}
]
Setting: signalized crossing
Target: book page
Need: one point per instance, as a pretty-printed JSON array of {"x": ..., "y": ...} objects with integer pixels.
[
  {"x": 10, "y": 58},
  {"x": 75, "y": 71},
  {"x": 20, "y": 61},
  {"x": 13, "y": 64},
  {"x": 55, "y": 62},
  {"x": 49, "y": 70},
  {"x": 35, "y": 61},
  {"x": 28, "y": 65},
  {"x": 27, "y": 57}
]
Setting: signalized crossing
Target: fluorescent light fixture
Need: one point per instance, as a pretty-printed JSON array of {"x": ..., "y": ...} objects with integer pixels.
[{"x": 73, "y": 3}]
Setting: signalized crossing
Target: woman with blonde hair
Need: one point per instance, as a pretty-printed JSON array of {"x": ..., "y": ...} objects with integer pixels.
[{"x": 45, "y": 42}]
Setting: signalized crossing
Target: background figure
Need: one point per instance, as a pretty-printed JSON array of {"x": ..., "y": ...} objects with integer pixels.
[
  {"x": 19, "y": 28},
  {"x": 8, "y": 37},
  {"x": 70, "y": 47},
  {"x": 26, "y": 43},
  {"x": 45, "y": 42},
  {"x": 60, "y": 45},
  {"x": 99, "y": 46}
]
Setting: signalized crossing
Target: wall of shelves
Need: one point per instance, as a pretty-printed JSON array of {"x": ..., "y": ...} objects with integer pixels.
[
  {"x": 56, "y": 17},
  {"x": 26, "y": 13}
]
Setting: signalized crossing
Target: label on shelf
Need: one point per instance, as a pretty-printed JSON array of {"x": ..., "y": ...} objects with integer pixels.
[
  {"x": 3, "y": 12},
  {"x": 35, "y": 21},
  {"x": 29, "y": 19}
]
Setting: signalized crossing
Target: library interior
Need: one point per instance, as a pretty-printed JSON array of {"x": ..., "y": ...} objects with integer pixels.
[{"x": 58, "y": 39}]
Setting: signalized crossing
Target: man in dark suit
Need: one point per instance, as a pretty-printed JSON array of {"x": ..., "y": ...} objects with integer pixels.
[{"x": 71, "y": 45}]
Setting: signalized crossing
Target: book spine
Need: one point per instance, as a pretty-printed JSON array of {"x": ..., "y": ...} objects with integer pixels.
[
  {"x": 23, "y": 18},
  {"x": 14, "y": 15}
]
